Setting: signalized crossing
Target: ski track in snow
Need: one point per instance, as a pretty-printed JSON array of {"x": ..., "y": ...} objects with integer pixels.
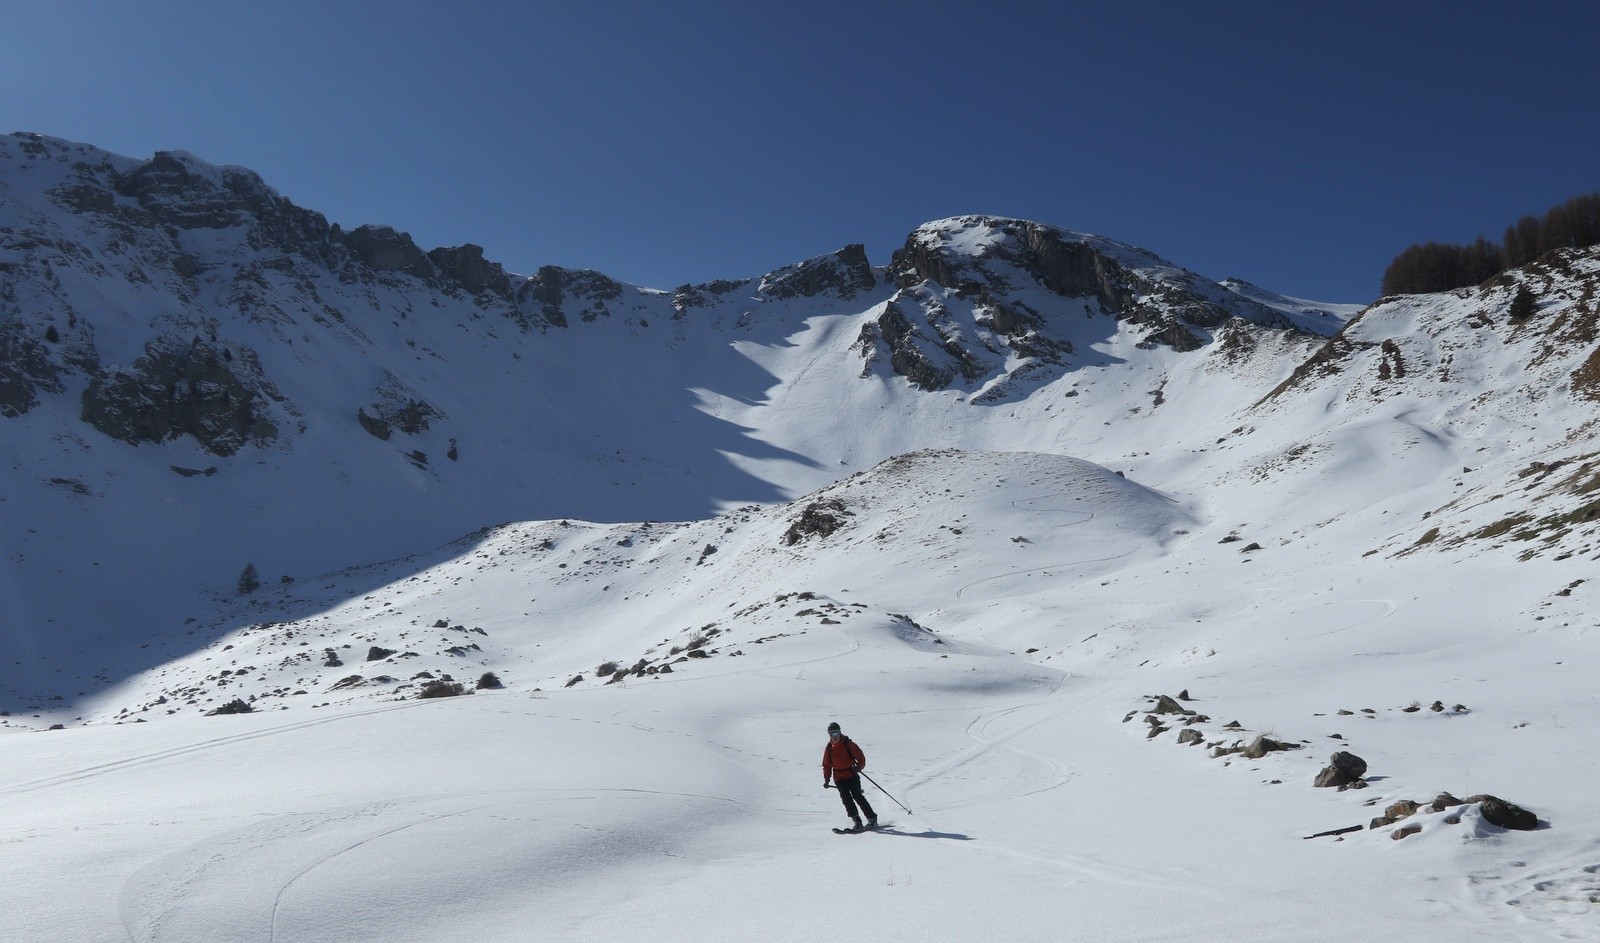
[
  {"x": 236, "y": 886},
  {"x": 131, "y": 762}
]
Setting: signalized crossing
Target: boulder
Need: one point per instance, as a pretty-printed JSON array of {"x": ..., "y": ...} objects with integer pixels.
[
  {"x": 1343, "y": 770},
  {"x": 1497, "y": 811}
]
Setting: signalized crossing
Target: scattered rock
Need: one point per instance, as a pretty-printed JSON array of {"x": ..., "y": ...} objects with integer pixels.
[
  {"x": 1444, "y": 801},
  {"x": 378, "y": 653},
  {"x": 235, "y": 706},
  {"x": 1262, "y": 745},
  {"x": 1402, "y": 809},
  {"x": 1166, "y": 705}
]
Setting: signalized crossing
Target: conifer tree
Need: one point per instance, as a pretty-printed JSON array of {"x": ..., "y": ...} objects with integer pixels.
[{"x": 1522, "y": 305}]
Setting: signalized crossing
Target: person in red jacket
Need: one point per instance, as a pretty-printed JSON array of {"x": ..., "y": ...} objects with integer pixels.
[{"x": 841, "y": 760}]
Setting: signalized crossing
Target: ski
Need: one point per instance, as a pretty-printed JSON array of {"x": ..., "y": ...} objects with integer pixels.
[{"x": 865, "y": 828}]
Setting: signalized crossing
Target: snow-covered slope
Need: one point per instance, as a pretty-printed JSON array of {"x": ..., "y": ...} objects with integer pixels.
[{"x": 981, "y": 505}]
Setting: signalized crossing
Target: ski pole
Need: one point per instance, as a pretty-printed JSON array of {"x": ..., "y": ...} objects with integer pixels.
[{"x": 885, "y": 792}]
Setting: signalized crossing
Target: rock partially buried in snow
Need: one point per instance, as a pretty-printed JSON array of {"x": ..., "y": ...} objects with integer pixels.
[
  {"x": 1497, "y": 811},
  {"x": 1344, "y": 770}
]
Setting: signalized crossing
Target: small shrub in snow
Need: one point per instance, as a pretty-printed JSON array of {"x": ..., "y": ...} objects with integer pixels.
[{"x": 441, "y": 689}]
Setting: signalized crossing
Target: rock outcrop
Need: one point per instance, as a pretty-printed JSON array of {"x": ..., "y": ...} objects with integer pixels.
[
  {"x": 215, "y": 395},
  {"x": 846, "y": 273}
]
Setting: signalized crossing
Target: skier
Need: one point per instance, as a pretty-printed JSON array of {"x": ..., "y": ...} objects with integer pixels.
[{"x": 841, "y": 760}]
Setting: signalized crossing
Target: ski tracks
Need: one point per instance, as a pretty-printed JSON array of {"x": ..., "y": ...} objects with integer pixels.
[
  {"x": 130, "y": 762},
  {"x": 996, "y": 730},
  {"x": 237, "y": 886},
  {"x": 983, "y": 730}
]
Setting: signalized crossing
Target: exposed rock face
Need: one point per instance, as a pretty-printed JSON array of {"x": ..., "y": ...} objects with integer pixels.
[
  {"x": 176, "y": 191},
  {"x": 466, "y": 266},
  {"x": 553, "y": 289},
  {"x": 385, "y": 249},
  {"x": 171, "y": 185},
  {"x": 847, "y": 273},
  {"x": 26, "y": 368},
  {"x": 179, "y": 389},
  {"x": 689, "y": 297},
  {"x": 396, "y": 408},
  {"x": 987, "y": 254},
  {"x": 969, "y": 304},
  {"x": 818, "y": 519},
  {"x": 908, "y": 353},
  {"x": 410, "y": 417}
]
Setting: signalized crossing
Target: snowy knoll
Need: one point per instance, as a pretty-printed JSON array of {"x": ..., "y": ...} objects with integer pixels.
[{"x": 599, "y": 604}]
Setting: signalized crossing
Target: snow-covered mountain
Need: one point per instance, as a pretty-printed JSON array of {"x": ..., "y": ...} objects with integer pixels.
[
  {"x": 981, "y": 502},
  {"x": 195, "y": 366}
]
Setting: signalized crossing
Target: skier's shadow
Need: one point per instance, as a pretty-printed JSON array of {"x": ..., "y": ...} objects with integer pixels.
[{"x": 927, "y": 833}]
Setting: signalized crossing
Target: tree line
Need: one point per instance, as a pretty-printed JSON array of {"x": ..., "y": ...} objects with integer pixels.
[{"x": 1435, "y": 266}]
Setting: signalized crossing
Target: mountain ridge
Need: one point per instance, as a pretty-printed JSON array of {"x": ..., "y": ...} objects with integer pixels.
[{"x": 202, "y": 376}]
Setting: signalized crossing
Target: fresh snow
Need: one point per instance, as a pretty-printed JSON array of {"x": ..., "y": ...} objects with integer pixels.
[{"x": 1003, "y": 586}]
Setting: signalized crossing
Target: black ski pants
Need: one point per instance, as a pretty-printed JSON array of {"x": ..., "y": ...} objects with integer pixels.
[{"x": 850, "y": 794}]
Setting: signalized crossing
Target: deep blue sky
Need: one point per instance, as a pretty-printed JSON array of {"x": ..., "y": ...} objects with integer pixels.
[{"x": 1298, "y": 146}]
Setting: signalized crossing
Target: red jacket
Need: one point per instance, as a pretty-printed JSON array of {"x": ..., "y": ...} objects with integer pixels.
[{"x": 841, "y": 759}]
